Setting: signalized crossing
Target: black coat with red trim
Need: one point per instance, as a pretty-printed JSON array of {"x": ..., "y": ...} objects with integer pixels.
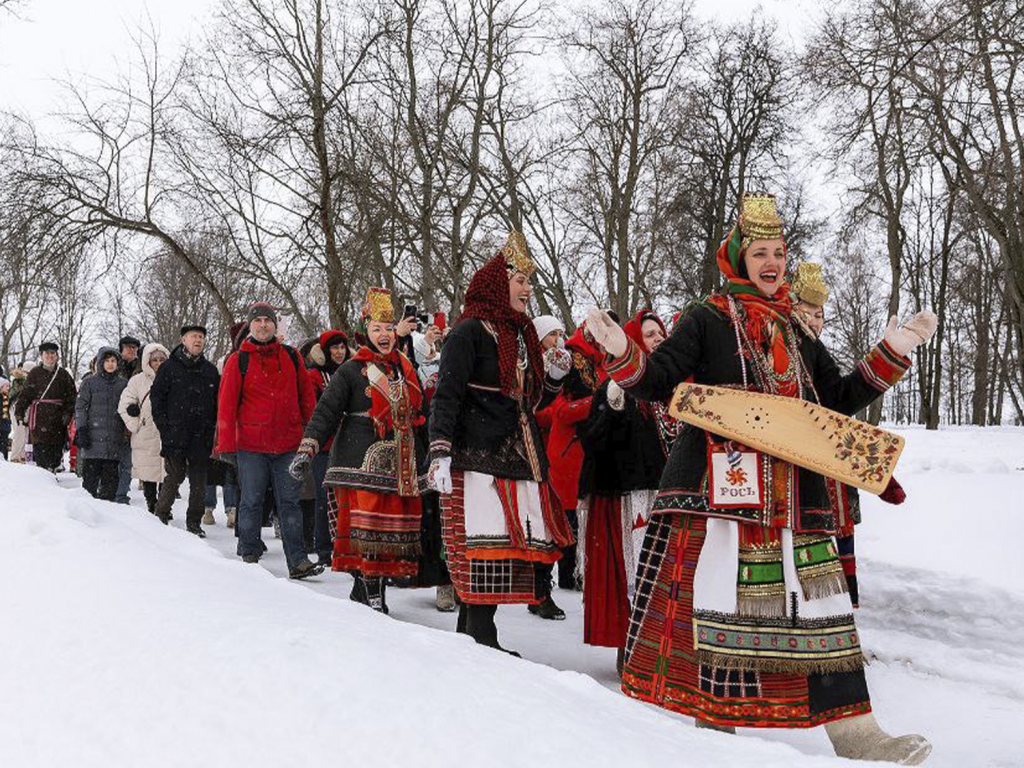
[
  {"x": 703, "y": 345},
  {"x": 360, "y": 458},
  {"x": 471, "y": 419}
]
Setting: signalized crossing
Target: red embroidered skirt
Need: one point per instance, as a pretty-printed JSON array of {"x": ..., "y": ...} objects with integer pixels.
[
  {"x": 662, "y": 665},
  {"x": 605, "y": 596},
  {"x": 377, "y": 534}
]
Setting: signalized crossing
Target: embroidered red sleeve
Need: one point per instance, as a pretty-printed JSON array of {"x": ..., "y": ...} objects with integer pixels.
[
  {"x": 882, "y": 368},
  {"x": 627, "y": 369}
]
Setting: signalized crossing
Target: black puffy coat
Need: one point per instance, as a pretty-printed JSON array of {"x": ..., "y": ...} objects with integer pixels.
[
  {"x": 184, "y": 399},
  {"x": 703, "y": 345},
  {"x": 623, "y": 450},
  {"x": 472, "y": 420},
  {"x": 100, "y": 428}
]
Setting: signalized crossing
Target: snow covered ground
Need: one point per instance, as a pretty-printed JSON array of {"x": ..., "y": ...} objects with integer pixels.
[{"x": 125, "y": 643}]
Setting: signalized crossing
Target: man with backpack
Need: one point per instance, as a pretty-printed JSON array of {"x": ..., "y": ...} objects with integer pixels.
[
  {"x": 183, "y": 399},
  {"x": 266, "y": 399}
]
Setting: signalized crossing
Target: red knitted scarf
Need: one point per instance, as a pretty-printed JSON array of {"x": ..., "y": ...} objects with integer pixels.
[{"x": 487, "y": 299}]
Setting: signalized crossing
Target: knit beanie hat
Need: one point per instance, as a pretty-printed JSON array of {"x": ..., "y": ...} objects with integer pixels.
[
  {"x": 263, "y": 309},
  {"x": 545, "y": 324}
]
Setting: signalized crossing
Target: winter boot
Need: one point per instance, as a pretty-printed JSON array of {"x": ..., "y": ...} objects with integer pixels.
[
  {"x": 358, "y": 593},
  {"x": 230, "y": 514},
  {"x": 195, "y": 530},
  {"x": 304, "y": 570},
  {"x": 860, "y": 738},
  {"x": 481, "y": 627},
  {"x": 375, "y": 594},
  {"x": 547, "y": 610},
  {"x": 445, "y": 600},
  {"x": 208, "y": 517},
  {"x": 715, "y": 726}
]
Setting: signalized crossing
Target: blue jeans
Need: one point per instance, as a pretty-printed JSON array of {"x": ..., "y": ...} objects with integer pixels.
[
  {"x": 124, "y": 475},
  {"x": 230, "y": 496},
  {"x": 255, "y": 472},
  {"x": 323, "y": 543}
]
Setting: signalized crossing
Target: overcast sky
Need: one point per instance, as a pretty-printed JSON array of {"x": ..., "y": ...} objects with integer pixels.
[{"x": 55, "y": 38}]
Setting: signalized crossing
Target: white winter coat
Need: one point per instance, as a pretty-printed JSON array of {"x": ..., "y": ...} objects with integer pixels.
[{"x": 147, "y": 465}]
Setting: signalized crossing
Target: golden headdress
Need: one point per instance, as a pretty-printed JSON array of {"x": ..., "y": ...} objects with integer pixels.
[
  {"x": 759, "y": 219},
  {"x": 517, "y": 255},
  {"x": 378, "y": 307},
  {"x": 809, "y": 284}
]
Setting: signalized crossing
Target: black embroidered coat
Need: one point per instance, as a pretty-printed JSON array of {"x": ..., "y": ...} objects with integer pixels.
[
  {"x": 471, "y": 420},
  {"x": 359, "y": 457},
  {"x": 704, "y": 345}
]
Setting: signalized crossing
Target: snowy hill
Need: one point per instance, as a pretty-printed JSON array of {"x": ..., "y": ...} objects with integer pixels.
[{"x": 125, "y": 643}]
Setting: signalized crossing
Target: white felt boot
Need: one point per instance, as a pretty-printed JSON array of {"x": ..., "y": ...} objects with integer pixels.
[{"x": 860, "y": 738}]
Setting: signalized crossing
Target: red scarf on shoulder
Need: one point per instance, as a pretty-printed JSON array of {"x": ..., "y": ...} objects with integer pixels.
[{"x": 380, "y": 410}]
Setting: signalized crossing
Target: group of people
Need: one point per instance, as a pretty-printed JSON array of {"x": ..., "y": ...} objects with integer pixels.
[{"x": 481, "y": 457}]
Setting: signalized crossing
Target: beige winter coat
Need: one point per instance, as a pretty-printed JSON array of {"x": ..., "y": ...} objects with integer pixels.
[{"x": 146, "y": 462}]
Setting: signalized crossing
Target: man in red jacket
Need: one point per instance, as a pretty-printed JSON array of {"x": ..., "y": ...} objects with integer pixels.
[{"x": 266, "y": 399}]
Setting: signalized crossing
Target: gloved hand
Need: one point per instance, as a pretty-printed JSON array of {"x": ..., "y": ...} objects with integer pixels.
[
  {"x": 560, "y": 363},
  {"x": 606, "y": 332},
  {"x": 303, "y": 458},
  {"x": 439, "y": 477},
  {"x": 300, "y": 465},
  {"x": 82, "y": 437},
  {"x": 133, "y": 410},
  {"x": 906, "y": 338},
  {"x": 616, "y": 396}
]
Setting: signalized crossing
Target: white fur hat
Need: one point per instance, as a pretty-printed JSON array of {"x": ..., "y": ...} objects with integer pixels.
[{"x": 545, "y": 324}]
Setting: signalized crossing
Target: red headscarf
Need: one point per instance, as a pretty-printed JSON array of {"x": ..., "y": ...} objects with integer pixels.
[
  {"x": 487, "y": 298},
  {"x": 634, "y": 328},
  {"x": 380, "y": 409}
]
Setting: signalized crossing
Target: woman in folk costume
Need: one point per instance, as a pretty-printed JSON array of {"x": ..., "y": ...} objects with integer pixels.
[
  {"x": 742, "y": 615},
  {"x": 500, "y": 516},
  {"x": 371, "y": 407},
  {"x": 626, "y": 443},
  {"x": 809, "y": 296}
]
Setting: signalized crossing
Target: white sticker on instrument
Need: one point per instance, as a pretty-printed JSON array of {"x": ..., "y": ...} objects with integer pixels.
[{"x": 735, "y": 479}]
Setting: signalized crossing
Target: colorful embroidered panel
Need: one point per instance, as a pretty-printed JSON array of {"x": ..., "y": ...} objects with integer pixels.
[{"x": 785, "y": 645}]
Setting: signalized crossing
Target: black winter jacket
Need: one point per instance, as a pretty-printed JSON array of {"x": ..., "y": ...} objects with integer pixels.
[
  {"x": 703, "y": 345},
  {"x": 623, "y": 450},
  {"x": 96, "y": 416},
  {"x": 359, "y": 458},
  {"x": 472, "y": 421},
  {"x": 184, "y": 401}
]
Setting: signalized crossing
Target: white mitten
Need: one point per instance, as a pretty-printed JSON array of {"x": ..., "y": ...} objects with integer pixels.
[
  {"x": 616, "y": 396},
  {"x": 606, "y": 332},
  {"x": 439, "y": 477},
  {"x": 904, "y": 339},
  {"x": 561, "y": 362}
]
